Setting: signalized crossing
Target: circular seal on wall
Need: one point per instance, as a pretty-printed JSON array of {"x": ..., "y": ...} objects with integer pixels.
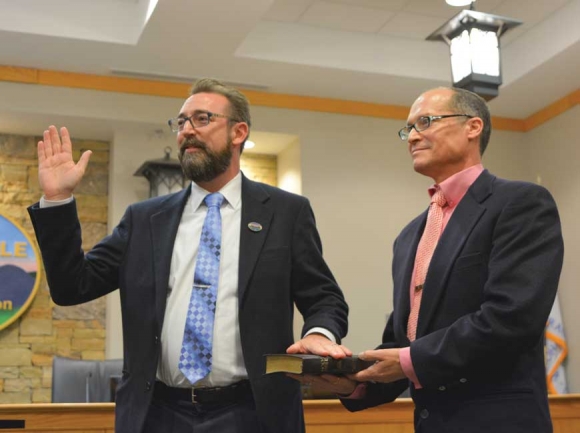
[{"x": 19, "y": 271}]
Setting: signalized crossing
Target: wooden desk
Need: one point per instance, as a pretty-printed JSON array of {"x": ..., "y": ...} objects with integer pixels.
[
  {"x": 322, "y": 416},
  {"x": 64, "y": 417},
  {"x": 328, "y": 416}
]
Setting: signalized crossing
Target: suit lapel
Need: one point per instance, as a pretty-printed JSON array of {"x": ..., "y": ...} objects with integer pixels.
[
  {"x": 164, "y": 225},
  {"x": 254, "y": 210},
  {"x": 461, "y": 224}
]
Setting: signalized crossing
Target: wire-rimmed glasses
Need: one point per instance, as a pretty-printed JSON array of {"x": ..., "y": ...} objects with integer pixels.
[
  {"x": 424, "y": 122},
  {"x": 198, "y": 119}
]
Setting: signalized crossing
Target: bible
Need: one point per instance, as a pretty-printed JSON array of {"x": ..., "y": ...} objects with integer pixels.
[{"x": 314, "y": 364}]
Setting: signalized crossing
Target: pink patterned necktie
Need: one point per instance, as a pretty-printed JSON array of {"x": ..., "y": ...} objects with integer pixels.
[{"x": 423, "y": 258}]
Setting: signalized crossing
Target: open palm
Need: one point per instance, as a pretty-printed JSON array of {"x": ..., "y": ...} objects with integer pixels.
[{"x": 58, "y": 174}]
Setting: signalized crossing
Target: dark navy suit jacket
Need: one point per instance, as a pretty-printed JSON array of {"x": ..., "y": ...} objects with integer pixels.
[
  {"x": 280, "y": 265},
  {"x": 479, "y": 352}
]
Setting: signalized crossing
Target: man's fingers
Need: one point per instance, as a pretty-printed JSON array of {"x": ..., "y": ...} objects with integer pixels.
[
  {"x": 84, "y": 160},
  {"x": 55, "y": 139},
  {"x": 370, "y": 355},
  {"x": 47, "y": 143},
  {"x": 339, "y": 351},
  {"x": 364, "y": 376},
  {"x": 66, "y": 143},
  {"x": 40, "y": 151},
  {"x": 295, "y": 348},
  {"x": 319, "y": 345},
  {"x": 346, "y": 350}
]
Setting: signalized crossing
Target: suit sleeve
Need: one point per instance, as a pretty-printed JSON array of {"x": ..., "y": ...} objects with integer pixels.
[
  {"x": 315, "y": 291},
  {"x": 72, "y": 276},
  {"x": 523, "y": 269}
]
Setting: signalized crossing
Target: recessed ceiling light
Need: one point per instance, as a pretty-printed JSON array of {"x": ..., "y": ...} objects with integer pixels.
[
  {"x": 459, "y": 2},
  {"x": 249, "y": 144}
]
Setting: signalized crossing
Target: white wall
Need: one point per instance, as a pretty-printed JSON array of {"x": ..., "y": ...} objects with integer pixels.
[
  {"x": 355, "y": 171},
  {"x": 290, "y": 168},
  {"x": 132, "y": 144},
  {"x": 555, "y": 154}
]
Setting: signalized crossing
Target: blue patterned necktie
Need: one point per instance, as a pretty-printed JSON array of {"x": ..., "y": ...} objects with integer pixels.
[{"x": 196, "y": 354}]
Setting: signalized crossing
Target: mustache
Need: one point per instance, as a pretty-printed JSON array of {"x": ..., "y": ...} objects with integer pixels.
[{"x": 192, "y": 143}]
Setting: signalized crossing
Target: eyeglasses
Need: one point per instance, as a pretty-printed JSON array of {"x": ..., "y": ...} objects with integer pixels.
[
  {"x": 198, "y": 119},
  {"x": 423, "y": 123}
]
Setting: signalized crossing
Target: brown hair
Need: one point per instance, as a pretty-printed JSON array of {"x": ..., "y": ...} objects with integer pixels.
[{"x": 239, "y": 105}]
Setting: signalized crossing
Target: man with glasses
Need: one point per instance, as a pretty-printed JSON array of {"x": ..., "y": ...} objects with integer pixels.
[
  {"x": 208, "y": 279},
  {"x": 474, "y": 279}
]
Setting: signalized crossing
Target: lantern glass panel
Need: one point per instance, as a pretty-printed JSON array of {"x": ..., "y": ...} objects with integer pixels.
[
  {"x": 474, "y": 51},
  {"x": 485, "y": 52},
  {"x": 168, "y": 180},
  {"x": 460, "y": 56}
]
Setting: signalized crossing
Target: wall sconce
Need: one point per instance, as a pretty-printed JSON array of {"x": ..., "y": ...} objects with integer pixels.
[
  {"x": 473, "y": 38},
  {"x": 164, "y": 175}
]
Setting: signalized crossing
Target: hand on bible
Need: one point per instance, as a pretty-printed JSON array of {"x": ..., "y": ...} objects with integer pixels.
[
  {"x": 386, "y": 369},
  {"x": 318, "y": 344}
]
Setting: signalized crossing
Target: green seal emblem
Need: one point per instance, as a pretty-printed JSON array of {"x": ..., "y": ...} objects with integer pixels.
[{"x": 19, "y": 271}]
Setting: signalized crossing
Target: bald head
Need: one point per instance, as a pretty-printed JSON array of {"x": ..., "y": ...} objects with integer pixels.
[
  {"x": 465, "y": 102},
  {"x": 443, "y": 138}
]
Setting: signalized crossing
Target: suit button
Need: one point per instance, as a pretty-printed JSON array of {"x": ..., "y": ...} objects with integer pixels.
[
  {"x": 463, "y": 380},
  {"x": 148, "y": 386},
  {"x": 156, "y": 339},
  {"x": 424, "y": 414},
  {"x": 442, "y": 388}
]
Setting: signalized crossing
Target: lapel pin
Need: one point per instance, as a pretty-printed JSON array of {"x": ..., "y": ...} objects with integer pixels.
[{"x": 255, "y": 227}]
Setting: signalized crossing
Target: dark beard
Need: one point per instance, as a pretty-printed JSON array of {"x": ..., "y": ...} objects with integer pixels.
[{"x": 205, "y": 164}]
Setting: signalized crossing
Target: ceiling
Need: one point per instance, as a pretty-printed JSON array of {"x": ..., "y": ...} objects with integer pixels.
[{"x": 360, "y": 50}]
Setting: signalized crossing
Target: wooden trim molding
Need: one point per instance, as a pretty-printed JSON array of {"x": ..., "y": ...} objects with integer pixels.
[
  {"x": 275, "y": 100},
  {"x": 553, "y": 110}
]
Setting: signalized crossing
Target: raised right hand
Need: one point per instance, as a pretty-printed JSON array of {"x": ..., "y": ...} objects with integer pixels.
[{"x": 58, "y": 175}]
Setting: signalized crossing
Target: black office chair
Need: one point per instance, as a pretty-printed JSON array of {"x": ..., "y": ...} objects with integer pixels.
[{"x": 83, "y": 381}]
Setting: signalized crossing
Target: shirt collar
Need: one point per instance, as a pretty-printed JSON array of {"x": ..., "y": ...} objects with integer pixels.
[
  {"x": 232, "y": 192},
  {"x": 455, "y": 187}
]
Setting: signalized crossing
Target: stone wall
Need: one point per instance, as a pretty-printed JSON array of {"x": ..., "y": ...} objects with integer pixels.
[
  {"x": 28, "y": 345},
  {"x": 261, "y": 168}
]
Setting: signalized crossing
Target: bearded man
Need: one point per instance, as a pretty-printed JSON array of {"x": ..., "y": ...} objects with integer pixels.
[{"x": 208, "y": 279}]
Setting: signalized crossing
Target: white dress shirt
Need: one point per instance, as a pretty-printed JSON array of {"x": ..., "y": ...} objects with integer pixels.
[{"x": 227, "y": 363}]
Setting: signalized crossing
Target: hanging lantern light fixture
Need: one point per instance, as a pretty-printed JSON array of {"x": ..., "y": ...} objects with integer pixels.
[
  {"x": 473, "y": 38},
  {"x": 164, "y": 175}
]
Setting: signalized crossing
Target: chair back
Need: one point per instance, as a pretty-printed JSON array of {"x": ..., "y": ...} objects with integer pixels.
[
  {"x": 110, "y": 371},
  {"x": 83, "y": 381}
]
